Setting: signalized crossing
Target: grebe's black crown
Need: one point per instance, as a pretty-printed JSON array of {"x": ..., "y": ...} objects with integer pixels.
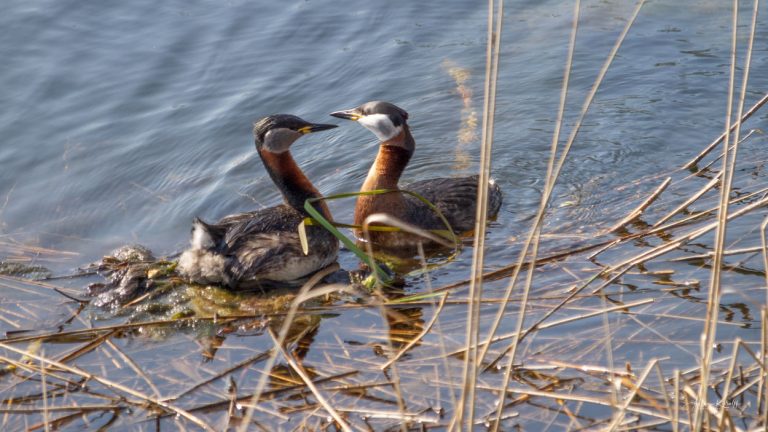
[
  {"x": 395, "y": 113},
  {"x": 287, "y": 129},
  {"x": 287, "y": 121}
]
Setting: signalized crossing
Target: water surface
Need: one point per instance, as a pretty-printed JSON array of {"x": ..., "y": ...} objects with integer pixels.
[{"x": 124, "y": 120}]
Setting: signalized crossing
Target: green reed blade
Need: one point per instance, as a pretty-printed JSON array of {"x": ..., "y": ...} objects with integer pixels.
[{"x": 383, "y": 276}]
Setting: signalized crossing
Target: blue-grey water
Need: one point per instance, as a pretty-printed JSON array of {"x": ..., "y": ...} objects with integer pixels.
[{"x": 122, "y": 120}]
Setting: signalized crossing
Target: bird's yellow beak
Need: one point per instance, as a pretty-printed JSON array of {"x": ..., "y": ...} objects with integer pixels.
[
  {"x": 350, "y": 114},
  {"x": 316, "y": 127}
]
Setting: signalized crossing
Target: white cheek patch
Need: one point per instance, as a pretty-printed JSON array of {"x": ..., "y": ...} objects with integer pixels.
[
  {"x": 381, "y": 125},
  {"x": 279, "y": 140}
]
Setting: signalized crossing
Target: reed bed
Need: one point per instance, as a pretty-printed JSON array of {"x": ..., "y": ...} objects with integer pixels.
[{"x": 630, "y": 328}]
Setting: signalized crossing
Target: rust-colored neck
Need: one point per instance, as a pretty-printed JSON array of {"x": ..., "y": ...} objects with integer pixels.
[
  {"x": 385, "y": 173},
  {"x": 293, "y": 184},
  {"x": 390, "y": 162}
]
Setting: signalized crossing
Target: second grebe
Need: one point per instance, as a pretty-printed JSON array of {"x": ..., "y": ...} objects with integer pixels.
[
  {"x": 261, "y": 248},
  {"x": 455, "y": 197}
]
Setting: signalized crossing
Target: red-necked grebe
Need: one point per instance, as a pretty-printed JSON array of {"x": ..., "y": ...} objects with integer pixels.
[
  {"x": 455, "y": 197},
  {"x": 261, "y": 248}
]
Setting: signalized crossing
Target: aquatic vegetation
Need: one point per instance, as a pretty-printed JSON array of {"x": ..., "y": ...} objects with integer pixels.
[{"x": 22, "y": 270}]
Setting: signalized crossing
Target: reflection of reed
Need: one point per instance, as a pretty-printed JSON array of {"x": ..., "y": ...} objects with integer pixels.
[
  {"x": 405, "y": 325},
  {"x": 468, "y": 130}
]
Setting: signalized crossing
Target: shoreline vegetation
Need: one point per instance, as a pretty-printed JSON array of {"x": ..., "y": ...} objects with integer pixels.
[{"x": 618, "y": 290}]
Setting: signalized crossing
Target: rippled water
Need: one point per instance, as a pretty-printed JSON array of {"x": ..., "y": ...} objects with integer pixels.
[{"x": 124, "y": 120}]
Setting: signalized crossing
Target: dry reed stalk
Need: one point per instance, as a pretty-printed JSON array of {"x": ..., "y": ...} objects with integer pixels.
[
  {"x": 83, "y": 331},
  {"x": 439, "y": 329},
  {"x": 83, "y": 408},
  {"x": 133, "y": 365},
  {"x": 56, "y": 423},
  {"x": 86, "y": 348},
  {"x": 510, "y": 269},
  {"x": 385, "y": 219},
  {"x": 36, "y": 250},
  {"x": 739, "y": 391},
  {"x": 641, "y": 208},
  {"x": 719, "y": 157},
  {"x": 664, "y": 391},
  {"x": 493, "y": 49},
  {"x": 764, "y": 372},
  {"x": 255, "y": 359},
  {"x": 569, "y": 397},
  {"x": 304, "y": 424},
  {"x": 308, "y": 381},
  {"x": 572, "y": 417},
  {"x": 39, "y": 284},
  {"x": 126, "y": 326},
  {"x": 690, "y": 164},
  {"x": 710, "y": 410},
  {"x": 540, "y": 325},
  {"x": 418, "y": 337},
  {"x": 618, "y": 417},
  {"x": 676, "y": 401},
  {"x": 71, "y": 297},
  {"x": 551, "y": 182},
  {"x": 46, "y": 414},
  {"x": 764, "y": 244},
  {"x": 688, "y": 220},
  {"x": 8, "y": 321},
  {"x": 693, "y": 198},
  {"x": 693, "y": 371},
  {"x": 655, "y": 229},
  {"x": 115, "y": 386},
  {"x": 728, "y": 168},
  {"x": 419, "y": 418},
  {"x": 728, "y": 252},
  {"x": 381, "y": 218},
  {"x": 361, "y": 386},
  {"x": 549, "y": 179},
  {"x": 688, "y": 401},
  {"x": 758, "y": 365},
  {"x": 609, "y": 357},
  {"x": 29, "y": 367},
  {"x": 619, "y": 269},
  {"x": 661, "y": 336},
  {"x": 245, "y": 401},
  {"x": 591, "y": 370},
  {"x": 302, "y": 296},
  {"x": 762, "y": 390},
  {"x": 4, "y": 284}
]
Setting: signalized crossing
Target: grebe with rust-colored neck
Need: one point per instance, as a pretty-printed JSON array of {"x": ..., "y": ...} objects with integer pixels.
[
  {"x": 262, "y": 248},
  {"x": 456, "y": 198}
]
